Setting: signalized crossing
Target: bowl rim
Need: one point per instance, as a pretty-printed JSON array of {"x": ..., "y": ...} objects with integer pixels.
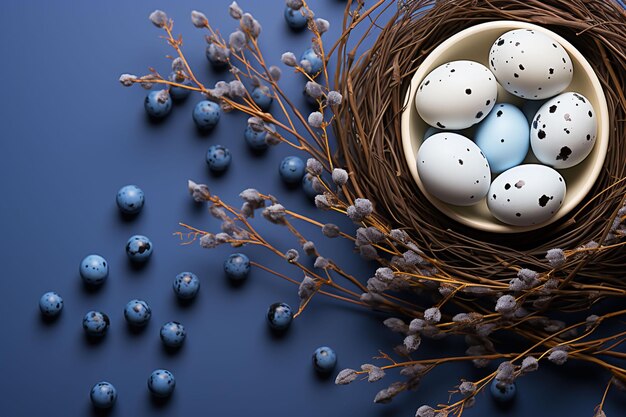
[{"x": 602, "y": 139}]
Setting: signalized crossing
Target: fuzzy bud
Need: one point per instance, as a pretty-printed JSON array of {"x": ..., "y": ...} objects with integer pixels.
[
  {"x": 425, "y": 411},
  {"x": 412, "y": 342},
  {"x": 322, "y": 25},
  {"x": 321, "y": 262},
  {"x": 275, "y": 72},
  {"x": 329, "y": 229},
  {"x": 309, "y": 248},
  {"x": 384, "y": 274},
  {"x": 374, "y": 372},
  {"x": 158, "y": 18},
  {"x": 555, "y": 257},
  {"x": 237, "y": 40},
  {"x": 321, "y": 202},
  {"x": 316, "y": 119},
  {"x": 236, "y": 88},
  {"x": 529, "y": 364},
  {"x": 396, "y": 325},
  {"x": 506, "y": 304},
  {"x": 307, "y": 288},
  {"x": 334, "y": 98},
  {"x": 235, "y": 11},
  {"x": 199, "y": 192},
  {"x": 127, "y": 79},
  {"x": 292, "y": 255},
  {"x": 432, "y": 315},
  {"x": 346, "y": 376},
  {"x": 198, "y": 19},
  {"x": 289, "y": 59},
  {"x": 314, "y": 167},
  {"x": 467, "y": 388},
  {"x": 340, "y": 176},
  {"x": 313, "y": 90},
  {"x": 294, "y": 4},
  {"x": 275, "y": 213},
  {"x": 558, "y": 357},
  {"x": 505, "y": 373}
]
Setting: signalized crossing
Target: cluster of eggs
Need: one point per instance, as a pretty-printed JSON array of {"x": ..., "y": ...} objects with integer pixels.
[{"x": 459, "y": 100}]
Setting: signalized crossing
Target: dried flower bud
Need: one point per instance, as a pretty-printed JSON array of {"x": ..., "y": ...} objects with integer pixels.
[
  {"x": 237, "y": 41},
  {"x": 555, "y": 257},
  {"x": 236, "y": 88},
  {"x": 599, "y": 413},
  {"x": 485, "y": 329},
  {"x": 217, "y": 55},
  {"x": 292, "y": 255},
  {"x": 321, "y": 202},
  {"x": 417, "y": 325},
  {"x": 506, "y": 304},
  {"x": 329, "y": 229},
  {"x": 309, "y": 248},
  {"x": 222, "y": 238},
  {"x": 432, "y": 315},
  {"x": 218, "y": 212},
  {"x": 199, "y": 192},
  {"x": 314, "y": 167},
  {"x": 374, "y": 372},
  {"x": 366, "y": 235},
  {"x": 384, "y": 274},
  {"x": 235, "y": 11},
  {"x": 425, "y": 411},
  {"x": 158, "y": 18},
  {"x": 553, "y": 326},
  {"x": 208, "y": 241},
  {"x": 412, "y": 258},
  {"x": 306, "y": 65},
  {"x": 334, "y": 98},
  {"x": 289, "y": 59},
  {"x": 250, "y": 25},
  {"x": 275, "y": 72},
  {"x": 592, "y": 320},
  {"x": 467, "y": 388},
  {"x": 412, "y": 342},
  {"x": 252, "y": 196},
  {"x": 178, "y": 65},
  {"x": 307, "y": 288},
  {"x": 340, "y": 176},
  {"x": 294, "y": 4},
  {"x": 198, "y": 19},
  {"x": 322, "y": 25},
  {"x": 396, "y": 325},
  {"x": 385, "y": 395},
  {"x": 275, "y": 213},
  {"x": 399, "y": 235},
  {"x": 316, "y": 119},
  {"x": 313, "y": 90},
  {"x": 558, "y": 356},
  {"x": 529, "y": 364},
  {"x": 317, "y": 185},
  {"x": 346, "y": 376},
  {"x": 321, "y": 262},
  {"x": 374, "y": 285},
  {"x": 506, "y": 373},
  {"x": 368, "y": 252},
  {"x": 127, "y": 79}
]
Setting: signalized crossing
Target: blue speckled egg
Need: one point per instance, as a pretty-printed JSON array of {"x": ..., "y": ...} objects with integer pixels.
[
  {"x": 307, "y": 186},
  {"x": 324, "y": 359},
  {"x": 103, "y": 395},
  {"x": 130, "y": 199},
  {"x": 137, "y": 313},
  {"x": 161, "y": 383},
  {"x": 279, "y": 316},
  {"x": 95, "y": 323},
  {"x": 291, "y": 169},
  {"x": 504, "y": 137},
  {"x": 186, "y": 285},
  {"x": 51, "y": 304},
  {"x": 218, "y": 158},
  {"x": 262, "y": 97},
  {"x": 314, "y": 60},
  {"x": 237, "y": 266},
  {"x": 255, "y": 140},
  {"x": 296, "y": 19},
  {"x": 206, "y": 114},
  {"x": 502, "y": 393},
  {"x": 94, "y": 270},
  {"x": 158, "y": 104},
  {"x": 179, "y": 93},
  {"x": 138, "y": 248},
  {"x": 173, "y": 334}
]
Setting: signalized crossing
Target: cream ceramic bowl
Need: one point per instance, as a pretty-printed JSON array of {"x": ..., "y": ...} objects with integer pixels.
[{"x": 474, "y": 44}]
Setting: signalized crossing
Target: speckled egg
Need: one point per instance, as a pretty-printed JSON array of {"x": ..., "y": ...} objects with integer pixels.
[
  {"x": 139, "y": 248},
  {"x": 526, "y": 195},
  {"x": 137, "y": 313},
  {"x": 173, "y": 334},
  {"x": 324, "y": 359},
  {"x": 158, "y": 104},
  {"x": 456, "y": 95},
  {"x": 161, "y": 383},
  {"x": 51, "y": 304},
  {"x": 186, "y": 285},
  {"x": 452, "y": 168},
  {"x": 279, "y": 316},
  {"x": 96, "y": 323},
  {"x": 206, "y": 114},
  {"x": 503, "y": 137},
  {"x": 530, "y": 64},
  {"x": 307, "y": 186},
  {"x": 255, "y": 139},
  {"x": 502, "y": 392},
  {"x": 237, "y": 266},
  {"x": 94, "y": 270},
  {"x": 103, "y": 395},
  {"x": 262, "y": 97},
  {"x": 291, "y": 169},
  {"x": 130, "y": 199},
  {"x": 564, "y": 130},
  {"x": 218, "y": 158}
]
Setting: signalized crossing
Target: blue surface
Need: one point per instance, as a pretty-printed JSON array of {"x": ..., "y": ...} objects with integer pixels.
[{"x": 72, "y": 136}]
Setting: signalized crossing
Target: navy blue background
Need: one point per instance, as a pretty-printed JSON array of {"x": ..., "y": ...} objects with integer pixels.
[{"x": 71, "y": 136}]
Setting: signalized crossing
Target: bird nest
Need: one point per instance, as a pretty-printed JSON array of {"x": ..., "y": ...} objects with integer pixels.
[{"x": 368, "y": 133}]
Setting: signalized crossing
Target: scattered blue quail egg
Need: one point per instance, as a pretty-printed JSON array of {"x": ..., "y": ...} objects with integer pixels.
[
  {"x": 94, "y": 270},
  {"x": 453, "y": 168},
  {"x": 186, "y": 285},
  {"x": 530, "y": 64},
  {"x": 311, "y": 62},
  {"x": 526, "y": 195},
  {"x": 218, "y": 158},
  {"x": 179, "y": 93},
  {"x": 502, "y": 392},
  {"x": 137, "y": 313},
  {"x": 51, "y": 304},
  {"x": 530, "y": 108},
  {"x": 255, "y": 139},
  {"x": 206, "y": 114},
  {"x": 279, "y": 316},
  {"x": 262, "y": 97},
  {"x": 130, "y": 199},
  {"x": 307, "y": 186},
  {"x": 324, "y": 359},
  {"x": 237, "y": 266},
  {"x": 291, "y": 169},
  {"x": 138, "y": 248},
  {"x": 564, "y": 130},
  {"x": 161, "y": 383},
  {"x": 158, "y": 104},
  {"x": 95, "y": 323},
  {"x": 103, "y": 395},
  {"x": 503, "y": 137},
  {"x": 173, "y": 334},
  {"x": 456, "y": 95},
  {"x": 296, "y": 19}
]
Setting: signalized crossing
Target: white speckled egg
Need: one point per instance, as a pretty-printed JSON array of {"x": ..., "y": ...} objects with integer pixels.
[
  {"x": 526, "y": 195},
  {"x": 452, "y": 168},
  {"x": 564, "y": 130},
  {"x": 456, "y": 95},
  {"x": 530, "y": 64}
]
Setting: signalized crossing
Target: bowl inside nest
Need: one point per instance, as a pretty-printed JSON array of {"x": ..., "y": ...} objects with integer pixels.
[{"x": 474, "y": 44}]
